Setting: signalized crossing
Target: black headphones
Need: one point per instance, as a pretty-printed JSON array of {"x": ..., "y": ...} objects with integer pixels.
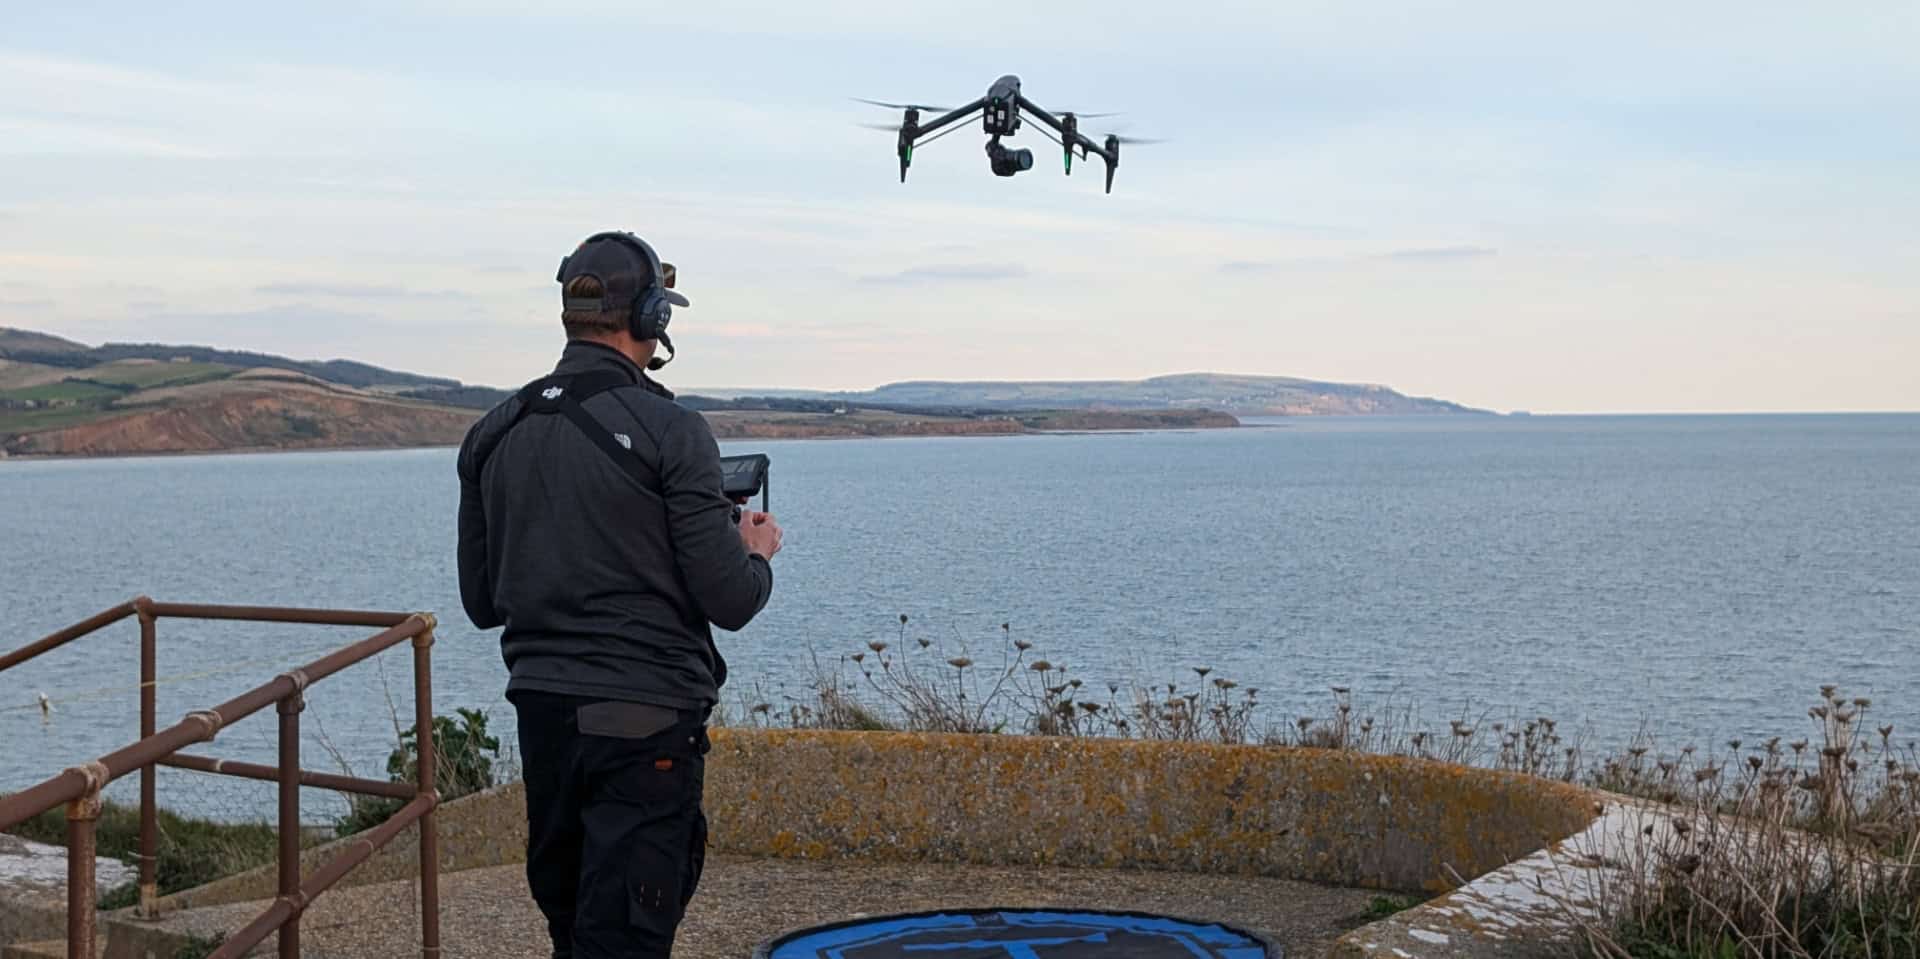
[{"x": 652, "y": 307}]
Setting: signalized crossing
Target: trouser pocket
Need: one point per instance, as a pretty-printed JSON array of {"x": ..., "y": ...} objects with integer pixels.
[
  {"x": 640, "y": 825},
  {"x": 696, "y": 857}
]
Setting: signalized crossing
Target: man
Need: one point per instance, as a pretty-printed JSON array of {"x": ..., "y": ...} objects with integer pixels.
[{"x": 594, "y": 529}]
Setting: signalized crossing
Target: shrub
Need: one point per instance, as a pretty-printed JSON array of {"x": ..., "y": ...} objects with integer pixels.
[
  {"x": 464, "y": 755},
  {"x": 1811, "y": 851}
]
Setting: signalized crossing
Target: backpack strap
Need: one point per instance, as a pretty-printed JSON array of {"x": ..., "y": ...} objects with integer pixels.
[{"x": 564, "y": 394}]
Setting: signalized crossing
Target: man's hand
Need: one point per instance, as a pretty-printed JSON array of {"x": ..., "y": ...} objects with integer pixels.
[{"x": 760, "y": 534}]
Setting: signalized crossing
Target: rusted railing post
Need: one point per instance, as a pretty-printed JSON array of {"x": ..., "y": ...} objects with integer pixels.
[
  {"x": 290, "y": 708},
  {"x": 83, "y": 814},
  {"x": 429, "y": 761},
  {"x": 148, "y": 856}
]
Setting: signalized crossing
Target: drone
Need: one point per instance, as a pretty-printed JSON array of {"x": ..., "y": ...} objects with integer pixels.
[{"x": 1000, "y": 111}]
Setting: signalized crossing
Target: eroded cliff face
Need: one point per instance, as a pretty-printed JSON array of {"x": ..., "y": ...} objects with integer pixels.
[{"x": 268, "y": 415}]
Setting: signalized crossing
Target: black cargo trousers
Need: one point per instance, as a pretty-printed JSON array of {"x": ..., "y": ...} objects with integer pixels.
[{"x": 615, "y": 834}]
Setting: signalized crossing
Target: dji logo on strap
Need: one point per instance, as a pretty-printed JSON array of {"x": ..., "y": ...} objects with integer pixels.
[{"x": 551, "y": 393}]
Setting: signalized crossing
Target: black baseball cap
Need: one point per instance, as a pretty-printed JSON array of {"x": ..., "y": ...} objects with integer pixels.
[{"x": 624, "y": 264}]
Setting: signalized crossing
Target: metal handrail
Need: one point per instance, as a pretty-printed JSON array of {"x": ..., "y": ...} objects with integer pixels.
[{"x": 79, "y": 787}]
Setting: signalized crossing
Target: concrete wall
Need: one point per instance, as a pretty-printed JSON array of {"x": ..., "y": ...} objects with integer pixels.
[
  {"x": 1370, "y": 821},
  {"x": 1343, "y": 818}
]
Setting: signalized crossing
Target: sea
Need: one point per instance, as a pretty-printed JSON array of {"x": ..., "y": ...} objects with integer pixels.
[{"x": 1685, "y": 579}]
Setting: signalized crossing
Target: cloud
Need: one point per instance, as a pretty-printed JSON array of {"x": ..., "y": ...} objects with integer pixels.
[
  {"x": 357, "y": 291},
  {"x": 1442, "y": 253},
  {"x": 25, "y": 305},
  {"x": 953, "y": 273},
  {"x": 1414, "y": 255},
  {"x": 1245, "y": 266}
]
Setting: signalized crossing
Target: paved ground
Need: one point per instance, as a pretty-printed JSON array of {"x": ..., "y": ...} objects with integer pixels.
[{"x": 743, "y": 902}]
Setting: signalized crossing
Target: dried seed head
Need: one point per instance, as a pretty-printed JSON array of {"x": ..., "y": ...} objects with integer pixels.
[
  {"x": 1828, "y": 690},
  {"x": 1022, "y": 645},
  {"x": 1798, "y": 745},
  {"x": 1341, "y": 690},
  {"x": 1754, "y": 762},
  {"x": 960, "y": 662},
  {"x": 903, "y": 619},
  {"x": 1818, "y": 712},
  {"x": 857, "y": 657},
  {"x": 924, "y": 643},
  {"x": 1303, "y": 722},
  {"x": 1203, "y": 670},
  {"x": 1040, "y": 666},
  {"x": 1863, "y": 702},
  {"x": 1705, "y": 773},
  {"x": 1733, "y": 744}
]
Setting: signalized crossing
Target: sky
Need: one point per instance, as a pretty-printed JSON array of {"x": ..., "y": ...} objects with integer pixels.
[{"x": 1618, "y": 207}]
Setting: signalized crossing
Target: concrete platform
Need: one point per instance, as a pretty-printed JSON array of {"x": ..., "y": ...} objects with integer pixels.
[
  {"x": 33, "y": 898},
  {"x": 742, "y": 902}
]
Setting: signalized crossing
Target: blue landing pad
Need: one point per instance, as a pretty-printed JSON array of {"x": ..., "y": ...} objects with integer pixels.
[{"x": 1020, "y": 934}]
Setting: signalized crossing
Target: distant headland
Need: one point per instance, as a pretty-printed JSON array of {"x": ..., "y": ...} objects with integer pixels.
[{"x": 62, "y": 398}]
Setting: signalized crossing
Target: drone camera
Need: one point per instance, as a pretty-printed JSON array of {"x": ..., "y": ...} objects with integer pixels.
[{"x": 1007, "y": 162}]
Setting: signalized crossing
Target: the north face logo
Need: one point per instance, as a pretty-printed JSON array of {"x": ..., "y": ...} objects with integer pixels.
[
  {"x": 551, "y": 393},
  {"x": 625, "y": 440}
]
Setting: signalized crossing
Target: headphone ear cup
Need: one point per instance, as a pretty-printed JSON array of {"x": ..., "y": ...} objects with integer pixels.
[{"x": 650, "y": 316}]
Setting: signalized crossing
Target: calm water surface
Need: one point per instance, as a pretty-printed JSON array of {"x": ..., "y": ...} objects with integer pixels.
[{"x": 1701, "y": 575}]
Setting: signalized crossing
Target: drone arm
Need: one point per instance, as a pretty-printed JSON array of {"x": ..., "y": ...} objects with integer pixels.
[
  {"x": 950, "y": 118},
  {"x": 1074, "y": 137}
]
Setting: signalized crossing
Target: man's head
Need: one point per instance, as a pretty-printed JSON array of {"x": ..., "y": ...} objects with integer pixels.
[{"x": 616, "y": 291}]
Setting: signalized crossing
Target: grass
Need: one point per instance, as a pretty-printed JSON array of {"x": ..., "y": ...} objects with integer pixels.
[
  {"x": 23, "y": 421},
  {"x": 199, "y": 947},
  {"x": 1380, "y": 907},
  {"x": 192, "y": 852},
  {"x": 70, "y": 391},
  {"x": 153, "y": 375}
]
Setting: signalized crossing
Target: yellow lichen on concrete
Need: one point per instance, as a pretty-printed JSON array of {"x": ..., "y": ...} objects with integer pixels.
[{"x": 1384, "y": 822}]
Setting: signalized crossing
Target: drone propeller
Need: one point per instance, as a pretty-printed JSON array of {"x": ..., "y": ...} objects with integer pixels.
[
  {"x": 889, "y": 127},
  {"x": 1090, "y": 116},
  {"x": 1136, "y": 140},
  {"x": 898, "y": 106}
]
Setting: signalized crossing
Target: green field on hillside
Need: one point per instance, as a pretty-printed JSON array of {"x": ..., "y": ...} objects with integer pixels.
[
  {"x": 150, "y": 375},
  {"x": 67, "y": 392}
]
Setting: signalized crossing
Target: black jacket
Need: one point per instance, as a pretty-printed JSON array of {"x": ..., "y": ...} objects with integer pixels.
[{"x": 606, "y": 590}]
